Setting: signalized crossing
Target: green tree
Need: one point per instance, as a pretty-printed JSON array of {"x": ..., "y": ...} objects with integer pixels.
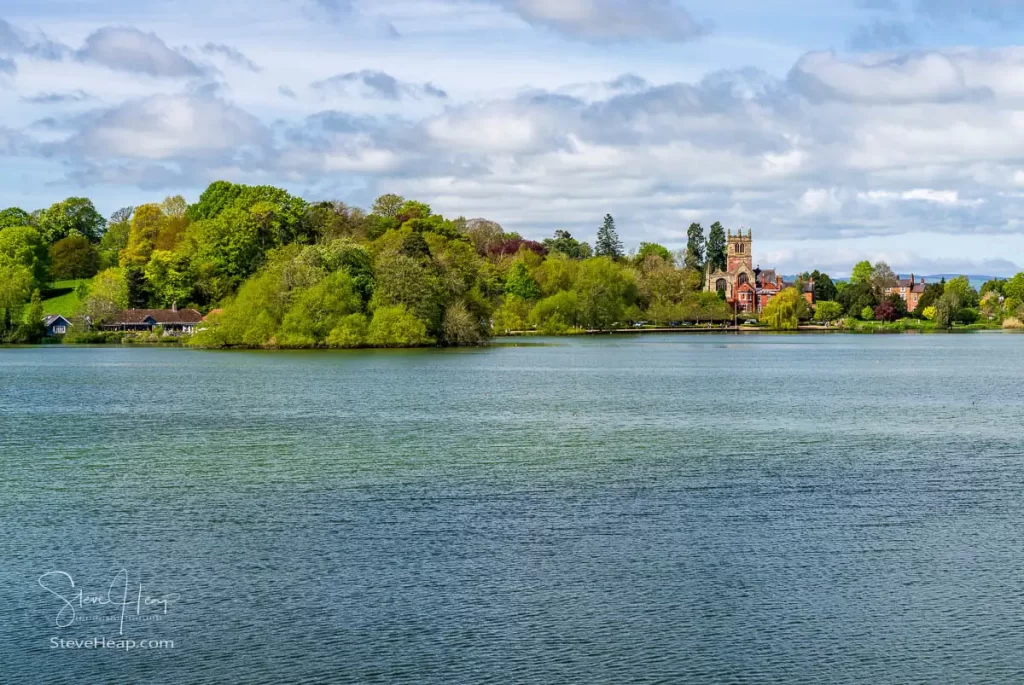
[
  {"x": 108, "y": 296},
  {"x": 73, "y": 216},
  {"x": 461, "y": 327},
  {"x": 654, "y": 250},
  {"x": 695, "y": 247},
  {"x": 23, "y": 246},
  {"x": 564, "y": 243},
  {"x": 521, "y": 284},
  {"x": 717, "y": 247},
  {"x": 930, "y": 296},
  {"x": 783, "y": 311},
  {"x": 388, "y": 205},
  {"x": 14, "y": 216},
  {"x": 314, "y": 312},
  {"x": 174, "y": 207},
  {"x": 115, "y": 238},
  {"x": 862, "y": 273},
  {"x": 34, "y": 328},
  {"x": 868, "y": 314},
  {"x": 603, "y": 290},
  {"x": 826, "y": 310},
  {"x": 146, "y": 225},
  {"x": 396, "y": 326},
  {"x": 961, "y": 285},
  {"x": 608, "y": 244},
  {"x": 1015, "y": 287},
  {"x": 73, "y": 257},
  {"x": 351, "y": 332},
  {"x": 824, "y": 288},
  {"x": 556, "y": 314}
]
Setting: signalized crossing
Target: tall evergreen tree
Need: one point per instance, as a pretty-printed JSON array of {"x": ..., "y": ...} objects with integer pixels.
[
  {"x": 716, "y": 247},
  {"x": 695, "y": 246},
  {"x": 608, "y": 243}
]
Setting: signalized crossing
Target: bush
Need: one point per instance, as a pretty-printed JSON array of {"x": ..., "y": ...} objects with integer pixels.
[
  {"x": 929, "y": 313},
  {"x": 868, "y": 314},
  {"x": 351, "y": 332},
  {"x": 1013, "y": 323},
  {"x": 966, "y": 316},
  {"x": 397, "y": 327}
]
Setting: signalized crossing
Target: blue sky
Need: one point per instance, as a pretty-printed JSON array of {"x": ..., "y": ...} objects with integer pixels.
[{"x": 838, "y": 131}]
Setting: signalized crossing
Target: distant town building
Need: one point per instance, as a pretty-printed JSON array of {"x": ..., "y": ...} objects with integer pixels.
[
  {"x": 910, "y": 289},
  {"x": 173, "y": 321},
  {"x": 747, "y": 288}
]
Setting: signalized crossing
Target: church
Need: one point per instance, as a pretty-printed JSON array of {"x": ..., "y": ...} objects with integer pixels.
[{"x": 747, "y": 288}]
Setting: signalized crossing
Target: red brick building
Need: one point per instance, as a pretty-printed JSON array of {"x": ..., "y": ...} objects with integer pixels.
[
  {"x": 910, "y": 289},
  {"x": 747, "y": 288}
]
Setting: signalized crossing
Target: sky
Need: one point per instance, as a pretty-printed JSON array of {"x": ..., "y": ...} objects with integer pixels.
[{"x": 836, "y": 131}]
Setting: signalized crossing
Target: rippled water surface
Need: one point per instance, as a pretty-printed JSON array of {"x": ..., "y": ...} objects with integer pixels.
[{"x": 648, "y": 509}]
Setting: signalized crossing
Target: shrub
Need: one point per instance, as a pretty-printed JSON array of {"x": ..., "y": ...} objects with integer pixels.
[
  {"x": 868, "y": 314},
  {"x": 1013, "y": 323},
  {"x": 395, "y": 326},
  {"x": 349, "y": 333}
]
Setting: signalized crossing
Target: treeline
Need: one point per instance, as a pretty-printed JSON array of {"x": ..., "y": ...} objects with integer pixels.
[{"x": 277, "y": 271}]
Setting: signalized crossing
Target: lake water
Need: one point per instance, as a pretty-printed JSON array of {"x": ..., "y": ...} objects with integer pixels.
[{"x": 675, "y": 508}]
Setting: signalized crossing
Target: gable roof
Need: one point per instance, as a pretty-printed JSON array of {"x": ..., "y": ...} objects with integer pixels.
[
  {"x": 51, "y": 319},
  {"x": 160, "y": 317}
]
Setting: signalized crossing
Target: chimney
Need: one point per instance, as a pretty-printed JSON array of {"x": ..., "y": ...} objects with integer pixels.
[
  {"x": 911, "y": 278},
  {"x": 174, "y": 306}
]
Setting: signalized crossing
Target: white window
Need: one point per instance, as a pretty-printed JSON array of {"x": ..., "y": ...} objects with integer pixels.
[{"x": 59, "y": 329}]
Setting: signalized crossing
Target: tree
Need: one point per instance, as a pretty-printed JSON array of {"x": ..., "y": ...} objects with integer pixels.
[
  {"x": 1015, "y": 288},
  {"x": 146, "y": 225},
  {"x": 716, "y": 248},
  {"x": 882, "y": 279},
  {"x": 564, "y": 243},
  {"x": 73, "y": 216},
  {"x": 14, "y": 216},
  {"x": 556, "y": 314},
  {"x": 115, "y": 238},
  {"x": 886, "y": 311},
  {"x": 521, "y": 284},
  {"x": 653, "y": 250},
  {"x": 826, "y": 310},
  {"x": 174, "y": 207},
  {"x": 603, "y": 291},
  {"x": 108, "y": 296},
  {"x": 929, "y": 313},
  {"x": 16, "y": 286},
  {"x": 783, "y": 311},
  {"x": 856, "y": 297},
  {"x": 73, "y": 257},
  {"x": 993, "y": 285},
  {"x": 23, "y": 246},
  {"x": 824, "y": 288},
  {"x": 695, "y": 247},
  {"x": 608, "y": 244},
  {"x": 968, "y": 296},
  {"x": 396, "y": 326},
  {"x": 930, "y": 296},
  {"x": 34, "y": 328},
  {"x": 947, "y": 307},
  {"x": 460, "y": 326},
  {"x": 868, "y": 314},
  {"x": 862, "y": 272},
  {"x": 388, "y": 205}
]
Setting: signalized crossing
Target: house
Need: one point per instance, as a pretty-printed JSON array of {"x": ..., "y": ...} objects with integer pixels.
[
  {"x": 56, "y": 325},
  {"x": 910, "y": 289},
  {"x": 174, "y": 321}
]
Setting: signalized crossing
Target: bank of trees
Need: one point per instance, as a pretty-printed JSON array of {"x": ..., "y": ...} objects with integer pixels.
[{"x": 277, "y": 271}]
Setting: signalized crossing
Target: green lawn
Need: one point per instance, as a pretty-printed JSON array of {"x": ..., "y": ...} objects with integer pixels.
[{"x": 66, "y": 305}]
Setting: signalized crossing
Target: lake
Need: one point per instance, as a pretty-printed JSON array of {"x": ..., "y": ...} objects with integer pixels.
[{"x": 651, "y": 508}]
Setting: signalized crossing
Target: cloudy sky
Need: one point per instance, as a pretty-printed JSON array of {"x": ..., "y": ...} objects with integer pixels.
[{"x": 836, "y": 131}]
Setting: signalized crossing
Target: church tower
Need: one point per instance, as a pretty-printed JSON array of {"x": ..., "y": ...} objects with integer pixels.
[{"x": 740, "y": 253}]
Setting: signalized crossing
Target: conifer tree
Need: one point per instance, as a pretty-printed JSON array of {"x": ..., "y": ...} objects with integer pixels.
[
  {"x": 716, "y": 248},
  {"x": 695, "y": 246},
  {"x": 608, "y": 243}
]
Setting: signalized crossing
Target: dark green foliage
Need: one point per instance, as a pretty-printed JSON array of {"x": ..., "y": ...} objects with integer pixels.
[
  {"x": 717, "y": 246},
  {"x": 608, "y": 243},
  {"x": 695, "y": 246},
  {"x": 564, "y": 243},
  {"x": 73, "y": 216},
  {"x": 824, "y": 288},
  {"x": 856, "y": 296}
]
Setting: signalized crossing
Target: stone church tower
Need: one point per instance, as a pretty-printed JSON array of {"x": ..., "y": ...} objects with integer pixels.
[{"x": 740, "y": 253}]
